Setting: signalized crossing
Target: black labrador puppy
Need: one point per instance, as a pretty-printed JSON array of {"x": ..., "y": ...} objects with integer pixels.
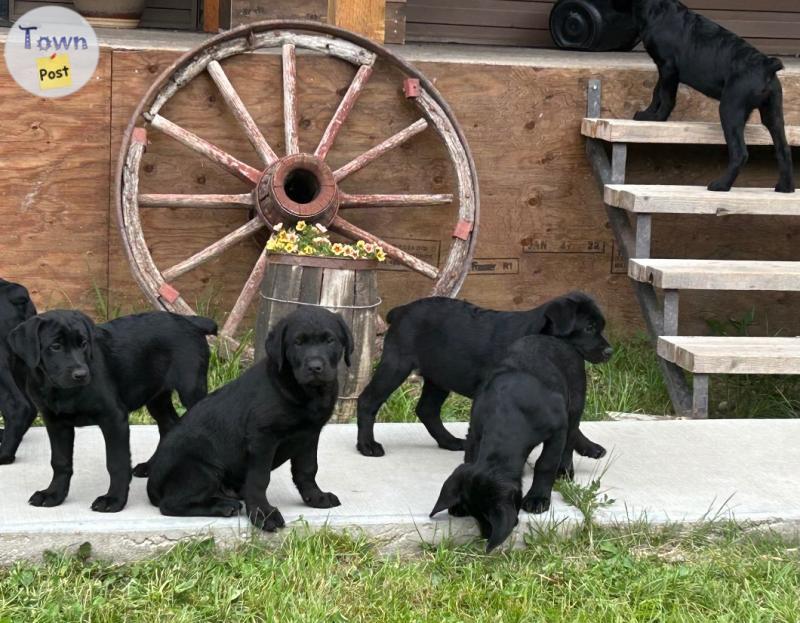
[
  {"x": 18, "y": 411},
  {"x": 692, "y": 49},
  {"x": 225, "y": 447},
  {"x": 534, "y": 396},
  {"x": 454, "y": 344},
  {"x": 81, "y": 374}
]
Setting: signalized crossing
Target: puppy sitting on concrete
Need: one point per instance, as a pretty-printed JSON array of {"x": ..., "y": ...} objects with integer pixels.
[
  {"x": 225, "y": 447},
  {"x": 534, "y": 396},
  {"x": 17, "y": 409},
  {"x": 692, "y": 49}
]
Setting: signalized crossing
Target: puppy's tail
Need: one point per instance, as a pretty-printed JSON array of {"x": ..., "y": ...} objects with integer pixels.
[
  {"x": 774, "y": 65},
  {"x": 205, "y": 325}
]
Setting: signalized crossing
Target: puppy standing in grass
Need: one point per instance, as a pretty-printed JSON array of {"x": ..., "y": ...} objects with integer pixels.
[
  {"x": 225, "y": 447},
  {"x": 80, "y": 374},
  {"x": 536, "y": 395},
  {"x": 692, "y": 49},
  {"x": 18, "y": 411}
]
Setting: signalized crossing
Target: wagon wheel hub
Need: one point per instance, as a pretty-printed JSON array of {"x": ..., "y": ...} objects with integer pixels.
[{"x": 297, "y": 187}]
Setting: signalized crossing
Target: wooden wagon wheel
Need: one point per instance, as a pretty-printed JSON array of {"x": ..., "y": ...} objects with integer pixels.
[{"x": 294, "y": 186}]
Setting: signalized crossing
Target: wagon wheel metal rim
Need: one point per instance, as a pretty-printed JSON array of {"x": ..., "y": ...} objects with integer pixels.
[{"x": 269, "y": 201}]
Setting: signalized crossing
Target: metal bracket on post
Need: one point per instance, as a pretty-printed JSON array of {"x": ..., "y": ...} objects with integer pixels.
[
  {"x": 671, "y": 302},
  {"x": 700, "y": 397}
]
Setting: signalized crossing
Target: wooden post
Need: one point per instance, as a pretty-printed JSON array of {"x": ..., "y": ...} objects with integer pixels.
[
  {"x": 365, "y": 17},
  {"x": 211, "y": 16}
]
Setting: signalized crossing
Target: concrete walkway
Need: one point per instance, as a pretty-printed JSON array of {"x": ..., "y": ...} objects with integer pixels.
[{"x": 672, "y": 471}]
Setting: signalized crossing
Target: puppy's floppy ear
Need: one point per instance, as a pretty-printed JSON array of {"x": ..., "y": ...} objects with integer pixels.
[
  {"x": 450, "y": 494},
  {"x": 24, "y": 341},
  {"x": 560, "y": 315},
  {"x": 346, "y": 338},
  {"x": 90, "y": 332},
  {"x": 275, "y": 347},
  {"x": 502, "y": 519}
]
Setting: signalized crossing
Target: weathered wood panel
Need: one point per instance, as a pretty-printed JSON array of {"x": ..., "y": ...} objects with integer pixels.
[{"x": 54, "y": 158}]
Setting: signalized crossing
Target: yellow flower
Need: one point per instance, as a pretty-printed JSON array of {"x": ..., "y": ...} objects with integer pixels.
[
  {"x": 301, "y": 225},
  {"x": 361, "y": 244},
  {"x": 271, "y": 244},
  {"x": 337, "y": 248},
  {"x": 321, "y": 240},
  {"x": 380, "y": 255},
  {"x": 308, "y": 250},
  {"x": 291, "y": 247},
  {"x": 282, "y": 236}
]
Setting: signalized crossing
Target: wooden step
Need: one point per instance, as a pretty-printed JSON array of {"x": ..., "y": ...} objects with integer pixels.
[
  {"x": 732, "y": 355},
  {"x": 662, "y": 199},
  {"x": 716, "y": 274},
  {"x": 675, "y": 132}
]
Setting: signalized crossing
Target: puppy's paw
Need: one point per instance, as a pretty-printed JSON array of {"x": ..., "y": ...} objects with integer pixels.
[
  {"x": 109, "y": 504},
  {"x": 142, "y": 470},
  {"x": 268, "y": 520},
  {"x": 455, "y": 444},
  {"x": 784, "y": 187},
  {"x": 370, "y": 448},
  {"x": 226, "y": 508},
  {"x": 457, "y": 510},
  {"x": 322, "y": 499},
  {"x": 567, "y": 473},
  {"x": 46, "y": 498},
  {"x": 535, "y": 504},
  {"x": 719, "y": 186},
  {"x": 644, "y": 115},
  {"x": 592, "y": 450},
  {"x": 7, "y": 460}
]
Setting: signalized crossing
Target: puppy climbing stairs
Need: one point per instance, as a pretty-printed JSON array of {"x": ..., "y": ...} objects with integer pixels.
[{"x": 630, "y": 209}]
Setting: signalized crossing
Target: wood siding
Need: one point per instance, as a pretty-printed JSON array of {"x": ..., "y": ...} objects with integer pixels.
[
  {"x": 774, "y": 26},
  {"x": 173, "y": 14}
]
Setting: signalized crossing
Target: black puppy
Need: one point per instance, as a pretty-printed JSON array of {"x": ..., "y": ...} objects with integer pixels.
[
  {"x": 225, "y": 447},
  {"x": 534, "y": 396},
  {"x": 18, "y": 411},
  {"x": 692, "y": 49},
  {"x": 80, "y": 374},
  {"x": 454, "y": 344}
]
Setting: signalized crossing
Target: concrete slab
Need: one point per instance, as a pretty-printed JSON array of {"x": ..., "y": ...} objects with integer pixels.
[{"x": 668, "y": 471}]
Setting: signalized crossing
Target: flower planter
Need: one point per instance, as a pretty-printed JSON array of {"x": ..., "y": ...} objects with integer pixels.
[
  {"x": 343, "y": 286},
  {"x": 111, "y": 13}
]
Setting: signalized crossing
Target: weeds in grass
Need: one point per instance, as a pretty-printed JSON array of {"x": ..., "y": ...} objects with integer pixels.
[{"x": 635, "y": 573}]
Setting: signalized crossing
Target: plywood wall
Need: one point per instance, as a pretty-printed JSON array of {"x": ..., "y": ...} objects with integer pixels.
[{"x": 542, "y": 230}]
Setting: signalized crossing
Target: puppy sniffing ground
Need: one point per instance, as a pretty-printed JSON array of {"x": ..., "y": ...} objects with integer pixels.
[
  {"x": 690, "y": 48},
  {"x": 536, "y": 395}
]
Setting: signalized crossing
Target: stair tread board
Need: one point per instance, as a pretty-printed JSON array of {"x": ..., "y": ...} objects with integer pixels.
[
  {"x": 732, "y": 355},
  {"x": 665, "y": 199},
  {"x": 733, "y": 275},
  {"x": 675, "y": 132}
]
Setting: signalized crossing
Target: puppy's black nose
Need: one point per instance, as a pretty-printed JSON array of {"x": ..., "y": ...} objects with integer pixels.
[
  {"x": 607, "y": 352},
  {"x": 80, "y": 374},
  {"x": 315, "y": 366}
]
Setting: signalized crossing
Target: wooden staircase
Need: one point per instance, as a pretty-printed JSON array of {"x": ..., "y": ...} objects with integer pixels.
[{"x": 630, "y": 209}]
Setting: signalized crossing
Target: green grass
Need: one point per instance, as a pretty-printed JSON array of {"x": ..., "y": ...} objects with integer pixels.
[{"x": 714, "y": 573}]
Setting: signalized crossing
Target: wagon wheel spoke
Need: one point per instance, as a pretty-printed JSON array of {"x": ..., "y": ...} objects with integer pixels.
[
  {"x": 343, "y": 111},
  {"x": 290, "y": 99},
  {"x": 391, "y": 201},
  {"x": 239, "y": 111},
  {"x": 349, "y": 230},
  {"x": 212, "y": 152},
  {"x": 245, "y": 297},
  {"x": 196, "y": 201},
  {"x": 376, "y": 152},
  {"x": 213, "y": 250}
]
